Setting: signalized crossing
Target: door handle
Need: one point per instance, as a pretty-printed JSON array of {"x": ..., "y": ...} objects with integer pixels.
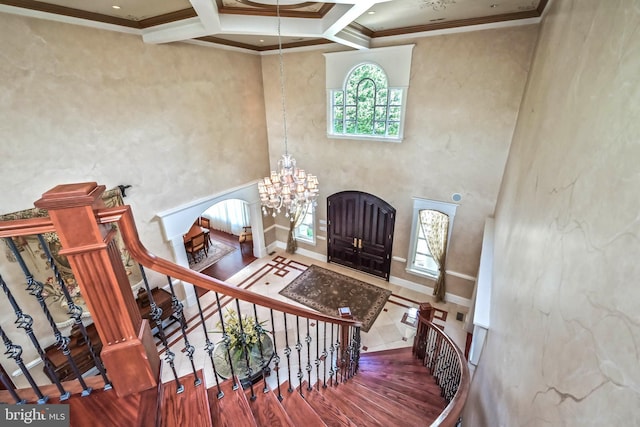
[
  {"x": 359, "y": 243},
  {"x": 355, "y": 242}
]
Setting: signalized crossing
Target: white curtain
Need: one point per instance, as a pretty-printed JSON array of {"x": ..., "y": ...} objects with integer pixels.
[
  {"x": 229, "y": 216},
  {"x": 435, "y": 226}
]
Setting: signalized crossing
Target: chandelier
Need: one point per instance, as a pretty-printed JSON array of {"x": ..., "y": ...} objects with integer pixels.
[{"x": 287, "y": 189}]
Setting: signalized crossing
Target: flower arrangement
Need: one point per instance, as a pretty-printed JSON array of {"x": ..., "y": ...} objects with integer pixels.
[{"x": 243, "y": 338}]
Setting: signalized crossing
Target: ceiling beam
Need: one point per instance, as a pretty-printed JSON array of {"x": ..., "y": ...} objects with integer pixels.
[
  {"x": 207, "y": 11},
  {"x": 333, "y": 26}
]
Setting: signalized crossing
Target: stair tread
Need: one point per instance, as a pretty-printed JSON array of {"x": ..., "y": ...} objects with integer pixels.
[
  {"x": 403, "y": 365},
  {"x": 299, "y": 410},
  {"x": 73, "y": 387},
  {"x": 410, "y": 397},
  {"x": 232, "y": 409},
  {"x": 388, "y": 409},
  {"x": 415, "y": 380},
  {"x": 394, "y": 352},
  {"x": 330, "y": 403},
  {"x": 349, "y": 392},
  {"x": 266, "y": 408},
  {"x": 189, "y": 408}
]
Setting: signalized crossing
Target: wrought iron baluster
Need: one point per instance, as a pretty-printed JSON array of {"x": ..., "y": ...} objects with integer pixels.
[
  {"x": 35, "y": 289},
  {"x": 355, "y": 352},
  {"x": 25, "y": 321},
  {"x": 155, "y": 313},
  {"x": 430, "y": 348},
  {"x": 8, "y": 385},
  {"x": 446, "y": 370},
  {"x": 276, "y": 357},
  {"x": 337, "y": 347},
  {"x": 308, "y": 367},
  {"x": 260, "y": 331},
  {"x": 317, "y": 361},
  {"x": 331, "y": 348},
  {"x": 350, "y": 353},
  {"x": 287, "y": 351},
  {"x": 14, "y": 352},
  {"x": 299, "y": 349},
  {"x": 344, "y": 353},
  {"x": 209, "y": 347},
  {"x": 177, "y": 307},
  {"x": 75, "y": 311},
  {"x": 359, "y": 342},
  {"x": 455, "y": 380},
  {"x": 245, "y": 350},
  {"x": 226, "y": 340},
  {"x": 324, "y": 357}
]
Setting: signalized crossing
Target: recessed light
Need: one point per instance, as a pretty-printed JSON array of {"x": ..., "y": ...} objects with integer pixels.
[
  {"x": 494, "y": 5},
  {"x": 261, "y": 40},
  {"x": 371, "y": 12},
  {"x": 115, "y": 6}
]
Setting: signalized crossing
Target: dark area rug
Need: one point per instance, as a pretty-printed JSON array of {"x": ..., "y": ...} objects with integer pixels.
[
  {"x": 325, "y": 290},
  {"x": 215, "y": 252}
]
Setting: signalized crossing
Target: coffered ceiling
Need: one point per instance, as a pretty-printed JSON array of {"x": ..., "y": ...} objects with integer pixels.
[{"x": 253, "y": 24}]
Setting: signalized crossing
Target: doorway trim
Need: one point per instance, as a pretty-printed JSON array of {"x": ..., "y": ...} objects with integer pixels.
[{"x": 176, "y": 222}]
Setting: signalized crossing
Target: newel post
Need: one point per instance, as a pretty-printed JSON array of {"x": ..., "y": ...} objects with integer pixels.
[{"x": 129, "y": 353}]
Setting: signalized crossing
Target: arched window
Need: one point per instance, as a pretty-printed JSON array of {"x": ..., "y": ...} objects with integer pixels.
[
  {"x": 367, "y": 93},
  {"x": 366, "y": 105}
]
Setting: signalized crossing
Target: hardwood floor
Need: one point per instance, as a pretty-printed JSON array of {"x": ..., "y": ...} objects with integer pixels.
[{"x": 231, "y": 263}]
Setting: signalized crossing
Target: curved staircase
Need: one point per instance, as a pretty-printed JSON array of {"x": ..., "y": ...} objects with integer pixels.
[{"x": 392, "y": 387}]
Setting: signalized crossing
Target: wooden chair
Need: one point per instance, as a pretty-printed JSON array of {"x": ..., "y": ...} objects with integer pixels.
[
  {"x": 205, "y": 222},
  {"x": 196, "y": 244},
  {"x": 245, "y": 238}
]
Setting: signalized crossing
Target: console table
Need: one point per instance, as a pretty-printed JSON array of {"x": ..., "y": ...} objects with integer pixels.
[
  {"x": 162, "y": 299},
  {"x": 79, "y": 352}
]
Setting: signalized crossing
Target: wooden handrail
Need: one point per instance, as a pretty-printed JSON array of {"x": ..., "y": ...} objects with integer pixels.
[
  {"x": 26, "y": 227},
  {"x": 123, "y": 217},
  {"x": 449, "y": 417}
]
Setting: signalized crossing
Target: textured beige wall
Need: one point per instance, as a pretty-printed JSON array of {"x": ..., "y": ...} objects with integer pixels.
[
  {"x": 178, "y": 122},
  {"x": 562, "y": 349},
  {"x": 463, "y": 100}
]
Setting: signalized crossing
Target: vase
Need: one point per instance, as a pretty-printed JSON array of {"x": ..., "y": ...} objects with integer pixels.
[{"x": 258, "y": 356}]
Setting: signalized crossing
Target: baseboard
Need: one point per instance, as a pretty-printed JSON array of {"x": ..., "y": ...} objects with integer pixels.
[
  {"x": 303, "y": 252},
  {"x": 455, "y": 299}
]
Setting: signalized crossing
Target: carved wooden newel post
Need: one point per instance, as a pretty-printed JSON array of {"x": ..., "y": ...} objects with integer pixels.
[{"x": 129, "y": 353}]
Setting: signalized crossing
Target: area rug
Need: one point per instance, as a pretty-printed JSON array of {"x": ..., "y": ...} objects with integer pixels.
[
  {"x": 216, "y": 251},
  {"x": 325, "y": 290}
]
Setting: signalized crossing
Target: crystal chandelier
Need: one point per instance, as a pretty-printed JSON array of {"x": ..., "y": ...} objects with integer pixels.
[{"x": 289, "y": 189}]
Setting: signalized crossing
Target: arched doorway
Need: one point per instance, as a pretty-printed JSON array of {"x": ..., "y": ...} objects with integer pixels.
[
  {"x": 175, "y": 223},
  {"x": 228, "y": 222},
  {"x": 360, "y": 232}
]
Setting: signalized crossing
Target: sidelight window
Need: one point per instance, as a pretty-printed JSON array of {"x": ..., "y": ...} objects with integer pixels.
[
  {"x": 305, "y": 232},
  {"x": 421, "y": 259}
]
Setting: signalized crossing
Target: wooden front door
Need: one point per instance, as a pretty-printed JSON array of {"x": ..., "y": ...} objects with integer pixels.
[{"x": 360, "y": 232}]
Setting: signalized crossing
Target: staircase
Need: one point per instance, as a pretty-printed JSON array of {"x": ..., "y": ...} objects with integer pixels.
[
  {"x": 374, "y": 389},
  {"x": 391, "y": 387}
]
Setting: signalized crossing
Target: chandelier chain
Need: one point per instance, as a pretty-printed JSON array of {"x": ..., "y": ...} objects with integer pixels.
[
  {"x": 288, "y": 188},
  {"x": 282, "y": 96}
]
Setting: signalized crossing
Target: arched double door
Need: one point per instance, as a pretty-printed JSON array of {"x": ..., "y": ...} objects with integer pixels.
[{"x": 360, "y": 232}]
